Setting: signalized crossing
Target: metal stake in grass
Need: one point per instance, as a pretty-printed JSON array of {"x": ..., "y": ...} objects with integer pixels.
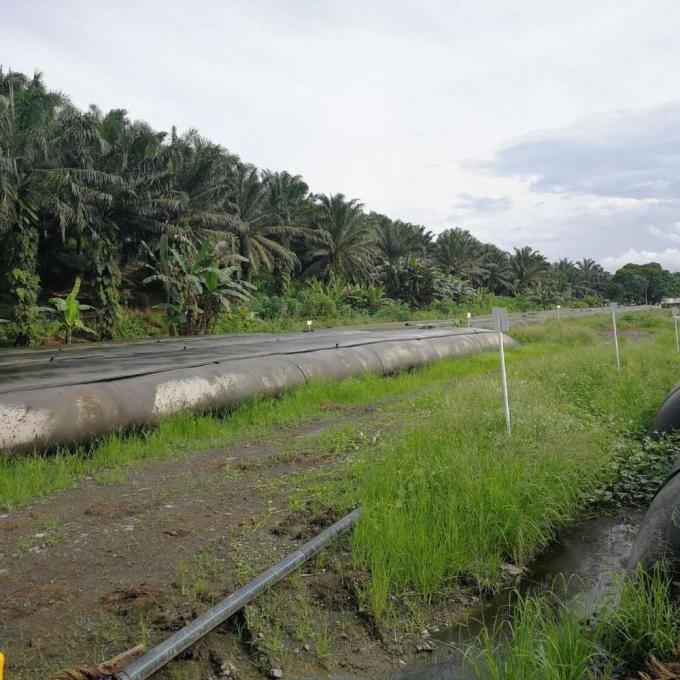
[
  {"x": 469, "y": 319},
  {"x": 674, "y": 312},
  {"x": 502, "y": 323},
  {"x": 559, "y": 323},
  {"x": 614, "y": 307}
]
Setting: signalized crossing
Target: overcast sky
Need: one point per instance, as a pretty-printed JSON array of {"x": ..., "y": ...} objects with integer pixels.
[{"x": 549, "y": 123}]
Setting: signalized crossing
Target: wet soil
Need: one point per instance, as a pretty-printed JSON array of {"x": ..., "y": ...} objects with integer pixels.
[{"x": 91, "y": 571}]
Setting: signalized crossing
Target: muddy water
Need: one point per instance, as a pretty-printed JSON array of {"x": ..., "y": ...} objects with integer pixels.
[{"x": 586, "y": 563}]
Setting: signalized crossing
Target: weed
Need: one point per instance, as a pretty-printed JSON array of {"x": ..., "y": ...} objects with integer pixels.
[
  {"x": 637, "y": 470},
  {"x": 323, "y": 641},
  {"x": 197, "y": 572},
  {"x": 276, "y": 643},
  {"x": 50, "y": 532},
  {"x": 549, "y": 640},
  {"x": 144, "y": 634},
  {"x": 645, "y": 621},
  {"x": 453, "y": 496},
  {"x": 542, "y": 642}
]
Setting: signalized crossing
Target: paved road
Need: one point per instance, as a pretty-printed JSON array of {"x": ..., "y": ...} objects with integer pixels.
[{"x": 78, "y": 364}]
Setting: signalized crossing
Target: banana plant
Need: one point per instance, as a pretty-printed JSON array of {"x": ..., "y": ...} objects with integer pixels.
[
  {"x": 199, "y": 283},
  {"x": 68, "y": 311}
]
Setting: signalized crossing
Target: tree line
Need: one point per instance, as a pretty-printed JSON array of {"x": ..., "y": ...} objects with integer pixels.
[{"x": 99, "y": 197}]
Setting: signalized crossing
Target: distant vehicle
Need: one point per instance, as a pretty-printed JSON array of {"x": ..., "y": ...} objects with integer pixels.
[{"x": 670, "y": 302}]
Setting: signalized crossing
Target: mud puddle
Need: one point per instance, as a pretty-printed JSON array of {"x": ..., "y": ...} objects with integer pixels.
[{"x": 585, "y": 563}]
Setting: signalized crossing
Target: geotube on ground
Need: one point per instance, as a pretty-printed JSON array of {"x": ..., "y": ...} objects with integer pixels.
[{"x": 49, "y": 399}]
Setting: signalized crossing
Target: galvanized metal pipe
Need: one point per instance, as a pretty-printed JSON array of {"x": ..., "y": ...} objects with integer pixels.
[{"x": 160, "y": 655}]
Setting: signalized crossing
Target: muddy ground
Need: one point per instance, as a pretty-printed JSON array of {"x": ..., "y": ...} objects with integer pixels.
[{"x": 133, "y": 556}]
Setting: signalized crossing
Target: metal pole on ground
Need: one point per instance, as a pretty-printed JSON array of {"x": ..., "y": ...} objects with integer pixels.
[
  {"x": 500, "y": 316},
  {"x": 469, "y": 319},
  {"x": 613, "y": 307},
  {"x": 160, "y": 655},
  {"x": 674, "y": 312}
]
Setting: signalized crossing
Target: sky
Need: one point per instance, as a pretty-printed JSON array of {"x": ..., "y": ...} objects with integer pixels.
[{"x": 529, "y": 122}]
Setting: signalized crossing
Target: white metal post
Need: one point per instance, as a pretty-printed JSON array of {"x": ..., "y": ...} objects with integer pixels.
[
  {"x": 504, "y": 379},
  {"x": 469, "y": 319},
  {"x": 616, "y": 337},
  {"x": 674, "y": 312},
  {"x": 559, "y": 323},
  {"x": 500, "y": 316}
]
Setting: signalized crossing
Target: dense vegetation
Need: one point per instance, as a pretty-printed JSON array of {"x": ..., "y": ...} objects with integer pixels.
[
  {"x": 452, "y": 496},
  {"x": 176, "y": 222}
]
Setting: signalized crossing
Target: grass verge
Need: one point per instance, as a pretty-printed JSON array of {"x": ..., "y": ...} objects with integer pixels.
[
  {"x": 552, "y": 641},
  {"x": 453, "y": 497},
  {"x": 25, "y": 478}
]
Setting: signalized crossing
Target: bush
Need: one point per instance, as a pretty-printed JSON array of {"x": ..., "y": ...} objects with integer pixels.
[
  {"x": 140, "y": 324},
  {"x": 398, "y": 311}
]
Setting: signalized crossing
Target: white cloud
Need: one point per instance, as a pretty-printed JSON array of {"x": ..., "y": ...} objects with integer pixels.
[
  {"x": 385, "y": 100},
  {"x": 626, "y": 154},
  {"x": 668, "y": 259},
  {"x": 670, "y": 232}
]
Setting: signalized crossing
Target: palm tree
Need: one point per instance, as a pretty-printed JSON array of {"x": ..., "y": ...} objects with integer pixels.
[
  {"x": 397, "y": 240},
  {"x": 457, "y": 252},
  {"x": 288, "y": 197},
  {"x": 495, "y": 271},
  {"x": 565, "y": 275},
  {"x": 592, "y": 278},
  {"x": 47, "y": 181},
  {"x": 260, "y": 237},
  {"x": 204, "y": 177},
  {"x": 82, "y": 198},
  {"x": 289, "y": 201},
  {"x": 528, "y": 267},
  {"x": 350, "y": 250},
  {"x": 27, "y": 113}
]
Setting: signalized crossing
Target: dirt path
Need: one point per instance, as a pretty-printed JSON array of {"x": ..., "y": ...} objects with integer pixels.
[{"x": 90, "y": 571}]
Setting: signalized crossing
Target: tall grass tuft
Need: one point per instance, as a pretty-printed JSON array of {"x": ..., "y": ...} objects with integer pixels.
[
  {"x": 549, "y": 640},
  {"x": 645, "y": 621},
  {"x": 544, "y": 641},
  {"x": 453, "y": 496}
]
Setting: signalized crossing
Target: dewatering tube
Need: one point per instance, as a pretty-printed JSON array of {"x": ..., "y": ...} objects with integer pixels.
[
  {"x": 667, "y": 418},
  {"x": 658, "y": 538},
  {"x": 163, "y": 653},
  {"x": 42, "y": 404}
]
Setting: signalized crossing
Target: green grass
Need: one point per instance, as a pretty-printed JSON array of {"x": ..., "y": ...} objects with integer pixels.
[
  {"x": 645, "y": 620},
  {"x": 453, "y": 496},
  {"x": 543, "y": 641},
  {"x": 548, "y": 640},
  {"x": 25, "y": 478}
]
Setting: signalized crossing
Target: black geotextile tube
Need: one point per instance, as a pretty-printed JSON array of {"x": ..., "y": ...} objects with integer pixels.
[
  {"x": 62, "y": 414},
  {"x": 667, "y": 418},
  {"x": 658, "y": 537}
]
